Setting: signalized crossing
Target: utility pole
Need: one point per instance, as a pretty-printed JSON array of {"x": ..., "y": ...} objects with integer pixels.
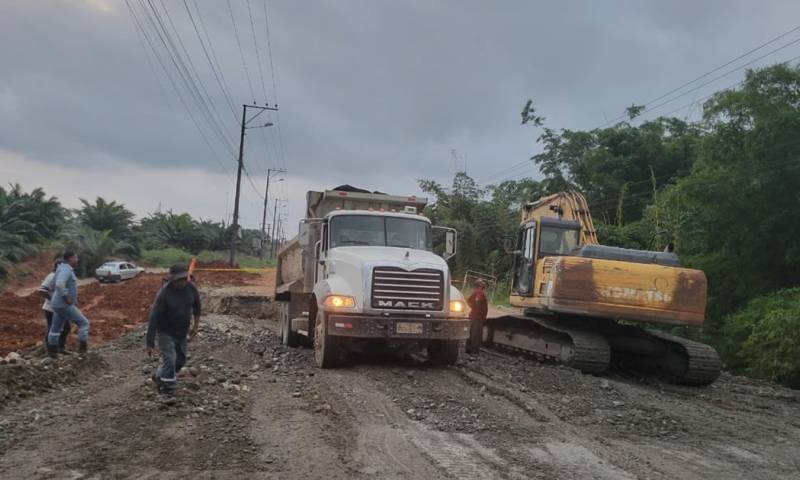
[
  {"x": 235, "y": 223},
  {"x": 278, "y": 234},
  {"x": 274, "y": 223},
  {"x": 264, "y": 216}
]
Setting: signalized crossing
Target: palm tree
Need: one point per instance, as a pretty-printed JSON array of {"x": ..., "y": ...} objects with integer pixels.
[
  {"x": 103, "y": 215},
  {"x": 93, "y": 247},
  {"x": 27, "y": 220}
]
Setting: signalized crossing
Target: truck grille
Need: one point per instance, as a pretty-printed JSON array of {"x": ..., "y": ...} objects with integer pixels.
[{"x": 395, "y": 288}]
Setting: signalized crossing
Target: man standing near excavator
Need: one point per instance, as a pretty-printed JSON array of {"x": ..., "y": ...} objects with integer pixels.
[{"x": 479, "y": 308}]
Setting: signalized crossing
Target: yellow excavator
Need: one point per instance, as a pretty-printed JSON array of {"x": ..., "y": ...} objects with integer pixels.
[{"x": 577, "y": 299}]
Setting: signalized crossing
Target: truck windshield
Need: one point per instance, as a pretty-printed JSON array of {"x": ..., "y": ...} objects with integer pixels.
[
  {"x": 373, "y": 230},
  {"x": 558, "y": 241}
]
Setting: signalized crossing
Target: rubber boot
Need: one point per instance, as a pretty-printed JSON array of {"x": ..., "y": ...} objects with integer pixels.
[
  {"x": 52, "y": 351},
  {"x": 82, "y": 348}
]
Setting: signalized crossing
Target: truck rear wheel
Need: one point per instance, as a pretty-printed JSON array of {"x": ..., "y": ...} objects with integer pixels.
[
  {"x": 326, "y": 347},
  {"x": 443, "y": 352},
  {"x": 288, "y": 337}
]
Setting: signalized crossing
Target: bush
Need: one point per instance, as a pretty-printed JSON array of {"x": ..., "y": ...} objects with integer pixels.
[
  {"x": 164, "y": 257},
  {"x": 763, "y": 339}
]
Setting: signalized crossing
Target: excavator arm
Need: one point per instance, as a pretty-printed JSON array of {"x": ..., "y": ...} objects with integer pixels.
[{"x": 565, "y": 206}]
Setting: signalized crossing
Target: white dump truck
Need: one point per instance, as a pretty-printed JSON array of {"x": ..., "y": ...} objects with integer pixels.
[{"x": 361, "y": 275}]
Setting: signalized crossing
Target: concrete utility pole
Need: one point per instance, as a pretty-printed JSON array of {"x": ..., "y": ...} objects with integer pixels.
[
  {"x": 274, "y": 223},
  {"x": 264, "y": 216},
  {"x": 235, "y": 223}
]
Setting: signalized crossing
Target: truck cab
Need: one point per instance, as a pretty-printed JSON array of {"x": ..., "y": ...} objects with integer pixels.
[{"x": 368, "y": 280}]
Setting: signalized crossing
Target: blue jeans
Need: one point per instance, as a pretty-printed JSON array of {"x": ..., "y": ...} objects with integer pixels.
[
  {"x": 70, "y": 314},
  {"x": 173, "y": 358}
]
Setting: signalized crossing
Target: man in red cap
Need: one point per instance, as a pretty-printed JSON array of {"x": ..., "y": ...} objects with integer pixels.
[{"x": 477, "y": 316}]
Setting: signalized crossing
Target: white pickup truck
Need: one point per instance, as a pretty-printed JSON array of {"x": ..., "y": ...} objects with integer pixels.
[{"x": 361, "y": 276}]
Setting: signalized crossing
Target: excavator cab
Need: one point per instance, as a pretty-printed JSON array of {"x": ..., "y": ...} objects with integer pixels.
[{"x": 553, "y": 237}]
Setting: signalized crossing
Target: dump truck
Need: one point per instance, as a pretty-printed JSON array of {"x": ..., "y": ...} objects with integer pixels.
[
  {"x": 582, "y": 304},
  {"x": 361, "y": 275}
]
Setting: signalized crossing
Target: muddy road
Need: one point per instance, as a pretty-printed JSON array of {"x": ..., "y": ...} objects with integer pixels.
[{"x": 251, "y": 408}]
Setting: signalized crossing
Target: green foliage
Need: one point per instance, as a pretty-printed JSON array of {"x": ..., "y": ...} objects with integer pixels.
[
  {"x": 102, "y": 216},
  {"x": 27, "y": 221},
  {"x": 165, "y": 257},
  {"x": 484, "y": 225},
  {"x": 182, "y": 231},
  {"x": 93, "y": 247},
  {"x": 763, "y": 339}
]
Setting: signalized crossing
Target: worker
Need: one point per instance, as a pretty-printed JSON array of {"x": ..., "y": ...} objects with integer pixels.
[
  {"x": 46, "y": 290},
  {"x": 479, "y": 308},
  {"x": 170, "y": 318},
  {"x": 64, "y": 303}
]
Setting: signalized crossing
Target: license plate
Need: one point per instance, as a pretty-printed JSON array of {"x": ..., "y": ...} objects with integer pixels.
[{"x": 408, "y": 327}]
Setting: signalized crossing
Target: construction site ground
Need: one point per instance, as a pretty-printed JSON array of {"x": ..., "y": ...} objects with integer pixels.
[{"x": 249, "y": 407}]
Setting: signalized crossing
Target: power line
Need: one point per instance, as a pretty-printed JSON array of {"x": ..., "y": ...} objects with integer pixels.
[
  {"x": 241, "y": 51},
  {"x": 716, "y": 69},
  {"x": 670, "y": 100},
  {"x": 274, "y": 87},
  {"x": 258, "y": 54},
  {"x": 191, "y": 72},
  {"x": 143, "y": 32},
  {"x": 218, "y": 75},
  {"x": 163, "y": 34}
]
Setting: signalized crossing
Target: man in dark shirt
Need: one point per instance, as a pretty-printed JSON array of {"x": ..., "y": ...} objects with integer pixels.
[
  {"x": 170, "y": 317},
  {"x": 479, "y": 308}
]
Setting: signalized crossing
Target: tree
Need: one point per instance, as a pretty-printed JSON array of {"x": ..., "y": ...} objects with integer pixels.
[
  {"x": 102, "y": 215},
  {"x": 93, "y": 248},
  {"x": 27, "y": 221}
]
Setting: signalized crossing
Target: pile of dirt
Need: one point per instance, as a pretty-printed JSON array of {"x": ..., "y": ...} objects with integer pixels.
[
  {"x": 32, "y": 375},
  {"x": 111, "y": 309},
  {"x": 22, "y": 321},
  {"x": 30, "y": 272}
]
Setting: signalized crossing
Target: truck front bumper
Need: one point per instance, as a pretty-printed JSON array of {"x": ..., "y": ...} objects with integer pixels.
[{"x": 398, "y": 327}]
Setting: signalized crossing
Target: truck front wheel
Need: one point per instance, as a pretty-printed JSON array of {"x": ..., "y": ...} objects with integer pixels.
[
  {"x": 326, "y": 347},
  {"x": 443, "y": 352}
]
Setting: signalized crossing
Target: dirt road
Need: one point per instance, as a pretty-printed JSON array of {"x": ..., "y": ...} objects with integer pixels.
[{"x": 250, "y": 407}]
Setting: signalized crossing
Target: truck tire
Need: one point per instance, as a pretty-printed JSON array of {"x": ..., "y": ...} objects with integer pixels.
[
  {"x": 326, "y": 347},
  {"x": 288, "y": 337},
  {"x": 443, "y": 352}
]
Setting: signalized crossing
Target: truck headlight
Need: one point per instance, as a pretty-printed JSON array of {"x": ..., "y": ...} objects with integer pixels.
[
  {"x": 339, "y": 301},
  {"x": 457, "y": 306}
]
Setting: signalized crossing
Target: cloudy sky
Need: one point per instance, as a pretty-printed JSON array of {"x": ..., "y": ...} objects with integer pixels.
[{"x": 374, "y": 93}]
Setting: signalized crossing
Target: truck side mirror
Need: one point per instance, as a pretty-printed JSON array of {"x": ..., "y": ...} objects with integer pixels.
[
  {"x": 450, "y": 243},
  {"x": 303, "y": 235}
]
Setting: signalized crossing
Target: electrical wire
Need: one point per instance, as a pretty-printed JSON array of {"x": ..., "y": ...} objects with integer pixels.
[
  {"x": 218, "y": 75},
  {"x": 241, "y": 52}
]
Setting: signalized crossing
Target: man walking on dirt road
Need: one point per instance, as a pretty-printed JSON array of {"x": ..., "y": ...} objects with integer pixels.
[
  {"x": 170, "y": 317},
  {"x": 64, "y": 303},
  {"x": 477, "y": 316}
]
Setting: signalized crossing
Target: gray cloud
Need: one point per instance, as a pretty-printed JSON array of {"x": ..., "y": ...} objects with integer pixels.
[{"x": 373, "y": 93}]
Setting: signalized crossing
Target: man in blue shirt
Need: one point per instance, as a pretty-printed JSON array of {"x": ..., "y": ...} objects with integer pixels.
[{"x": 64, "y": 303}]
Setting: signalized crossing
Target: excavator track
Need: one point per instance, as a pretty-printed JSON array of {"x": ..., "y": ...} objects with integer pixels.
[
  {"x": 577, "y": 348},
  {"x": 573, "y": 343},
  {"x": 702, "y": 362}
]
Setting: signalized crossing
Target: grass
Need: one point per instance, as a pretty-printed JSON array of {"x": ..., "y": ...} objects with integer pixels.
[{"x": 164, "y": 257}]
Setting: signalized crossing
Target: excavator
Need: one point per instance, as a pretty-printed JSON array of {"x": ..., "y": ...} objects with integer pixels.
[{"x": 579, "y": 302}]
